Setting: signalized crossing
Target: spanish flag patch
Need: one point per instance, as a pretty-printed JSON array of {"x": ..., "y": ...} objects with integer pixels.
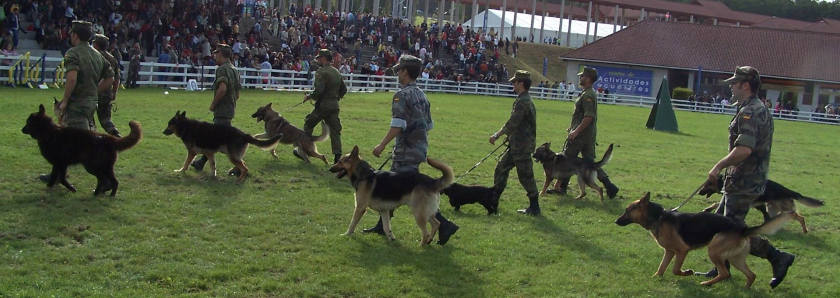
[
  {"x": 747, "y": 117},
  {"x": 396, "y": 98}
]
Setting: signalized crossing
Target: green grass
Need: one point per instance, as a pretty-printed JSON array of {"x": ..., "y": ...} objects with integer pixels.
[{"x": 278, "y": 233}]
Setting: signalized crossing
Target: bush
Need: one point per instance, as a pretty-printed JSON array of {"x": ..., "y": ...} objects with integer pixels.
[{"x": 681, "y": 93}]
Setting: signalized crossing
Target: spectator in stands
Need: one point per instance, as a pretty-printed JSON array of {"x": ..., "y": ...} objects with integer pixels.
[{"x": 13, "y": 21}]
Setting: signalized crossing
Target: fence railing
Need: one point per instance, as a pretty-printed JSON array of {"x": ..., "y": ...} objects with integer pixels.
[{"x": 180, "y": 75}]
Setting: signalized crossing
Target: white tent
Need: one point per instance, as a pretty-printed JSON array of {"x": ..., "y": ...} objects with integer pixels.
[{"x": 552, "y": 24}]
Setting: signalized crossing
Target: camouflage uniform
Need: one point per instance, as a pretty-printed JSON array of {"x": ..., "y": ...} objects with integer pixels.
[
  {"x": 103, "y": 110},
  {"x": 90, "y": 68},
  {"x": 521, "y": 130},
  {"x": 328, "y": 89},
  {"x": 586, "y": 105},
  {"x": 226, "y": 107},
  {"x": 410, "y": 111},
  {"x": 752, "y": 127}
]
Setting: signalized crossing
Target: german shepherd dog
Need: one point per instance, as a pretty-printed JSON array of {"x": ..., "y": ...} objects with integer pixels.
[
  {"x": 384, "y": 191},
  {"x": 775, "y": 200},
  {"x": 678, "y": 233},
  {"x": 275, "y": 125},
  {"x": 64, "y": 146},
  {"x": 559, "y": 166},
  {"x": 207, "y": 138},
  {"x": 460, "y": 194}
]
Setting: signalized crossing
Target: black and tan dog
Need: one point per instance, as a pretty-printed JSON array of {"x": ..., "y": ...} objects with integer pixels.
[
  {"x": 776, "y": 199},
  {"x": 276, "y": 125},
  {"x": 559, "y": 166},
  {"x": 64, "y": 146},
  {"x": 678, "y": 233},
  {"x": 460, "y": 195},
  {"x": 208, "y": 138},
  {"x": 384, "y": 191}
]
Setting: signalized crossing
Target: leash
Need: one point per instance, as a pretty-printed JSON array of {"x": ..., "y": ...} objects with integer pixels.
[
  {"x": 482, "y": 160},
  {"x": 386, "y": 161},
  {"x": 689, "y": 197}
]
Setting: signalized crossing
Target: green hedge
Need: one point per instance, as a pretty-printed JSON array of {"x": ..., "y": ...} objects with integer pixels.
[{"x": 681, "y": 93}]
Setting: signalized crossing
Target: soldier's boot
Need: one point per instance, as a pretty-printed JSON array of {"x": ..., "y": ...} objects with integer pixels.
[
  {"x": 297, "y": 154},
  {"x": 780, "y": 261},
  {"x": 378, "y": 228},
  {"x": 114, "y": 132},
  {"x": 533, "y": 208},
  {"x": 612, "y": 189},
  {"x": 44, "y": 178},
  {"x": 711, "y": 273},
  {"x": 446, "y": 230},
  {"x": 198, "y": 163},
  {"x": 337, "y": 157}
]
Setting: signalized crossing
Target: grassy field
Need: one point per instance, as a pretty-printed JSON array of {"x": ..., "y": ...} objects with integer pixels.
[{"x": 278, "y": 234}]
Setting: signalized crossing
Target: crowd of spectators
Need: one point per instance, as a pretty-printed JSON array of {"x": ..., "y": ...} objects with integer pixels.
[{"x": 184, "y": 32}]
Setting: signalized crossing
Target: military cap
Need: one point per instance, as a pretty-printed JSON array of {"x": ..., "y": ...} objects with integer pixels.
[
  {"x": 101, "y": 40},
  {"x": 408, "y": 60},
  {"x": 589, "y": 72},
  {"x": 224, "y": 49},
  {"x": 82, "y": 26},
  {"x": 520, "y": 75},
  {"x": 324, "y": 53},
  {"x": 744, "y": 73}
]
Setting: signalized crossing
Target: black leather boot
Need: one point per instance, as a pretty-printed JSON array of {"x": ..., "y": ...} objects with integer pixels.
[
  {"x": 198, "y": 163},
  {"x": 780, "y": 261},
  {"x": 612, "y": 190},
  {"x": 564, "y": 185},
  {"x": 711, "y": 273},
  {"x": 533, "y": 208},
  {"x": 447, "y": 229},
  {"x": 376, "y": 229},
  {"x": 115, "y": 132}
]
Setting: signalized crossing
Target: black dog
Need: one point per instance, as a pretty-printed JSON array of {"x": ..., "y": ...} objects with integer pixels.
[
  {"x": 64, "y": 146},
  {"x": 460, "y": 194}
]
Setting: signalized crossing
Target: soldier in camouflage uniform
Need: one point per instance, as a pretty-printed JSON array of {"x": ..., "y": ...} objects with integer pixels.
[
  {"x": 411, "y": 120},
  {"x": 87, "y": 74},
  {"x": 328, "y": 88},
  {"x": 103, "y": 109},
  {"x": 226, "y": 92},
  {"x": 521, "y": 130},
  {"x": 747, "y": 164},
  {"x": 583, "y": 130}
]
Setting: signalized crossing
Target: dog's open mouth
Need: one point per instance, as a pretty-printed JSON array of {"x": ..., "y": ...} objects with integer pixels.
[{"x": 340, "y": 172}]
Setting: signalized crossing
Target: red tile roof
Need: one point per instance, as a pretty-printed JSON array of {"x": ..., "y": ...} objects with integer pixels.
[{"x": 777, "y": 53}]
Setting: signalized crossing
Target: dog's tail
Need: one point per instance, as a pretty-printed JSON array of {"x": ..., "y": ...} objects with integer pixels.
[
  {"x": 606, "y": 159},
  {"x": 325, "y": 131},
  {"x": 784, "y": 192},
  {"x": 769, "y": 227},
  {"x": 265, "y": 144},
  {"x": 131, "y": 139},
  {"x": 810, "y": 202},
  {"x": 447, "y": 178}
]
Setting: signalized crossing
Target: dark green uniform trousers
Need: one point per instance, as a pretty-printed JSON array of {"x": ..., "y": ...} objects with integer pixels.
[{"x": 330, "y": 118}]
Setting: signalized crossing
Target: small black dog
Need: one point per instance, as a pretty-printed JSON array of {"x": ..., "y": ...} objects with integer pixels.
[{"x": 460, "y": 194}]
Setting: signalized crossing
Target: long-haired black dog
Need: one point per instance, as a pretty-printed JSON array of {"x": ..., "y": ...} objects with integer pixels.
[
  {"x": 64, "y": 146},
  {"x": 460, "y": 194}
]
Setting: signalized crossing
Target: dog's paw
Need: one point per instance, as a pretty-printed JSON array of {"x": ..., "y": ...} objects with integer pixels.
[
  {"x": 181, "y": 170},
  {"x": 688, "y": 272}
]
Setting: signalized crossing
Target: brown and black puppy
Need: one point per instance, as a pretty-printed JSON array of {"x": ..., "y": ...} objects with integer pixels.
[
  {"x": 208, "y": 139},
  {"x": 276, "y": 125},
  {"x": 460, "y": 194},
  {"x": 384, "y": 191},
  {"x": 64, "y": 146},
  {"x": 776, "y": 199},
  {"x": 559, "y": 166},
  {"x": 678, "y": 233}
]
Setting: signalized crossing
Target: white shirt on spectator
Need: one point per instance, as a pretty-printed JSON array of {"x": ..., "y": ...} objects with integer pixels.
[{"x": 425, "y": 74}]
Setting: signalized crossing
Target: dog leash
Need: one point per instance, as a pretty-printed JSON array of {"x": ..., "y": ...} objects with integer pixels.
[
  {"x": 482, "y": 160},
  {"x": 689, "y": 197},
  {"x": 386, "y": 161}
]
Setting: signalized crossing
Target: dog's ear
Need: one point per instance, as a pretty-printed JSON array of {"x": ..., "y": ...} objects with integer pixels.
[
  {"x": 548, "y": 145},
  {"x": 268, "y": 105},
  {"x": 646, "y": 198},
  {"x": 41, "y": 109},
  {"x": 184, "y": 114},
  {"x": 355, "y": 152}
]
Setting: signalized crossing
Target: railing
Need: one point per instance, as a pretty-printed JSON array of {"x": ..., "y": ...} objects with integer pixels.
[{"x": 179, "y": 75}]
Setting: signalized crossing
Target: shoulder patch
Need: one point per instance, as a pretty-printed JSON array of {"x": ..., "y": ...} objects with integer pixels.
[
  {"x": 396, "y": 98},
  {"x": 747, "y": 117}
]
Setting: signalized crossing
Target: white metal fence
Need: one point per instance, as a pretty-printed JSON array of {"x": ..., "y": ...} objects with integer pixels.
[{"x": 178, "y": 75}]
